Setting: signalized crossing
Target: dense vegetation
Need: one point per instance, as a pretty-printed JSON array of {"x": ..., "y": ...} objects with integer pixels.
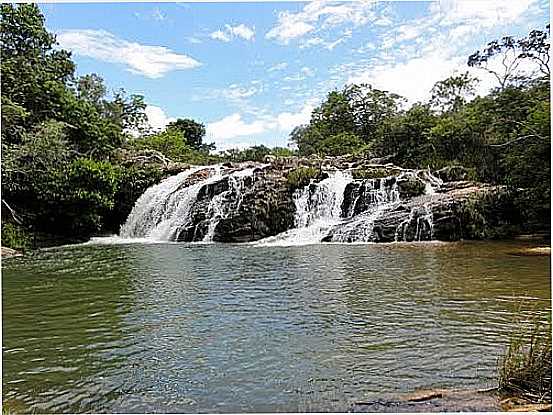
[
  {"x": 65, "y": 138},
  {"x": 502, "y": 138}
]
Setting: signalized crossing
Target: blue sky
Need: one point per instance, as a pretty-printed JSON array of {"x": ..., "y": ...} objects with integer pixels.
[{"x": 252, "y": 71}]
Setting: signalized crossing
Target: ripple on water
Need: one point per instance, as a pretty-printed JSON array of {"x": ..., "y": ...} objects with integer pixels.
[{"x": 139, "y": 327}]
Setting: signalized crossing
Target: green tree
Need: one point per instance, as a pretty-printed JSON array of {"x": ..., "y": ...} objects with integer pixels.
[
  {"x": 452, "y": 93},
  {"x": 192, "y": 133}
]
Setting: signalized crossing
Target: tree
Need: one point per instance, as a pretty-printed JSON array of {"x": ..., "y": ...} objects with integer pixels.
[
  {"x": 192, "y": 133},
  {"x": 509, "y": 53},
  {"x": 343, "y": 143},
  {"x": 535, "y": 46},
  {"x": 91, "y": 88},
  {"x": 405, "y": 137},
  {"x": 452, "y": 93},
  {"x": 370, "y": 107},
  {"x": 33, "y": 72},
  {"x": 357, "y": 110}
]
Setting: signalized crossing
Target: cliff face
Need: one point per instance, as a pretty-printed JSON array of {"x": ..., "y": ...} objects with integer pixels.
[{"x": 350, "y": 200}]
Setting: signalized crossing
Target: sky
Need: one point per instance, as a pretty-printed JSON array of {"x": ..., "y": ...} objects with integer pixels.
[{"x": 251, "y": 72}]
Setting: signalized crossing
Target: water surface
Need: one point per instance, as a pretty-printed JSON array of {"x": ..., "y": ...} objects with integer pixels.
[{"x": 241, "y": 328}]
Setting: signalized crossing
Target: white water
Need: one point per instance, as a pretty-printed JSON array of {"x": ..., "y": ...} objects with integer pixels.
[
  {"x": 164, "y": 208},
  {"x": 318, "y": 209},
  {"x": 222, "y": 205},
  {"x": 361, "y": 228}
]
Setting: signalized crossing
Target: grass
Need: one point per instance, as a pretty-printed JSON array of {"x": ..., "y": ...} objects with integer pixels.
[{"x": 525, "y": 369}]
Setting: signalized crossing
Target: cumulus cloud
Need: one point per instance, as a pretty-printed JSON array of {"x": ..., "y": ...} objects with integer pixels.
[
  {"x": 231, "y": 32},
  {"x": 157, "y": 118},
  {"x": 150, "y": 61},
  {"x": 287, "y": 121},
  {"x": 415, "y": 55},
  {"x": 226, "y": 130},
  {"x": 234, "y": 126},
  {"x": 220, "y": 35}
]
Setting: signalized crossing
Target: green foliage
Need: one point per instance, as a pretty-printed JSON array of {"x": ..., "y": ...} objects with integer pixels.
[
  {"x": 171, "y": 144},
  {"x": 192, "y": 134},
  {"x": 525, "y": 369},
  {"x": 406, "y": 137},
  {"x": 452, "y": 93},
  {"x": 302, "y": 176},
  {"x": 255, "y": 153},
  {"x": 15, "y": 237},
  {"x": 494, "y": 215},
  {"x": 373, "y": 173},
  {"x": 356, "y": 111},
  {"x": 343, "y": 143}
]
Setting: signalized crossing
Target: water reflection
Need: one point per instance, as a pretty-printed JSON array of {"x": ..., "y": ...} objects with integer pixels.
[{"x": 223, "y": 328}]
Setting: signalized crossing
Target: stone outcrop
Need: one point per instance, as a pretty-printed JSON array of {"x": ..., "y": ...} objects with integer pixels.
[{"x": 243, "y": 202}]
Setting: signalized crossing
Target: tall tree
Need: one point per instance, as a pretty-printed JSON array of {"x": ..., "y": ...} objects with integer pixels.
[{"x": 452, "y": 93}]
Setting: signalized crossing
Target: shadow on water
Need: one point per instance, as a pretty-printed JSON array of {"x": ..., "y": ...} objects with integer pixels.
[{"x": 238, "y": 328}]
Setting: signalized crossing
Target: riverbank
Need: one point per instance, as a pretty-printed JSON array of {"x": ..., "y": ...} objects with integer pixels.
[{"x": 451, "y": 400}]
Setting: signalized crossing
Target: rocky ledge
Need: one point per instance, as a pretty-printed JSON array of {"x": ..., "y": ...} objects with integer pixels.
[{"x": 443, "y": 205}]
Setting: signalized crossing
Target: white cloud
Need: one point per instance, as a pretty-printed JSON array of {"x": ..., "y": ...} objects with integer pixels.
[
  {"x": 288, "y": 120},
  {"x": 220, "y": 35},
  {"x": 481, "y": 13},
  {"x": 307, "y": 71},
  {"x": 420, "y": 52},
  {"x": 321, "y": 15},
  {"x": 230, "y": 32},
  {"x": 150, "y": 61},
  {"x": 157, "y": 118},
  {"x": 242, "y": 31},
  {"x": 225, "y": 131},
  {"x": 193, "y": 40},
  {"x": 234, "y": 126},
  {"x": 237, "y": 92},
  {"x": 278, "y": 67}
]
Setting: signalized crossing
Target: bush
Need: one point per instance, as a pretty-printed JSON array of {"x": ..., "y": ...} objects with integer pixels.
[
  {"x": 15, "y": 237},
  {"x": 302, "y": 176},
  {"x": 525, "y": 370}
]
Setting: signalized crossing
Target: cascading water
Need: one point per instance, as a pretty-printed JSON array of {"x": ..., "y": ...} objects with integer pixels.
[
  {"x": 191, "y": 205},
  {"x": 380, "y": 195},
  {"x": 164, "y": 210},
  {"x": 151, "y": 212},
  {"x": 318, "y": 208},
  {"x": 223, "y": 204}
]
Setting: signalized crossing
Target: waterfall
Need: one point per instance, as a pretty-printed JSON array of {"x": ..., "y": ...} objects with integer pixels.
[
  {"x": 318, "y": 208},
  {"x": 222, "y": 205},
  {"x": 152, "y": 210},
  {"x": 379, "y": 195},
  {"x": 164, "y": 210},
  {"x": 220, "y": 202}
]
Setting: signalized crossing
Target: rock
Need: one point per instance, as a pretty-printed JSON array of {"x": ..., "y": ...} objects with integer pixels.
[
  {"x": 453, "y": 173},
  {"x": 261, "y": 207},
  {"x": 9, "y": 252},
  {"x": 410, "y": 187}
]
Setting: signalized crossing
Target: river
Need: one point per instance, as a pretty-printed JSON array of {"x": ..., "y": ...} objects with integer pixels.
[{"x": 171, "y": 327}]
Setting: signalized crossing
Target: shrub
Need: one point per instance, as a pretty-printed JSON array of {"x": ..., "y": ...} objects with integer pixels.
[
  {"x": 525, "y": 370},
  {"x": 15, "y": 237},
  {"x": 302, "y": 176}
]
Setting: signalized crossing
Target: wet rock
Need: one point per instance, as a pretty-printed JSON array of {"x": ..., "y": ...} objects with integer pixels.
[{"x": 454, "y": 173}]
